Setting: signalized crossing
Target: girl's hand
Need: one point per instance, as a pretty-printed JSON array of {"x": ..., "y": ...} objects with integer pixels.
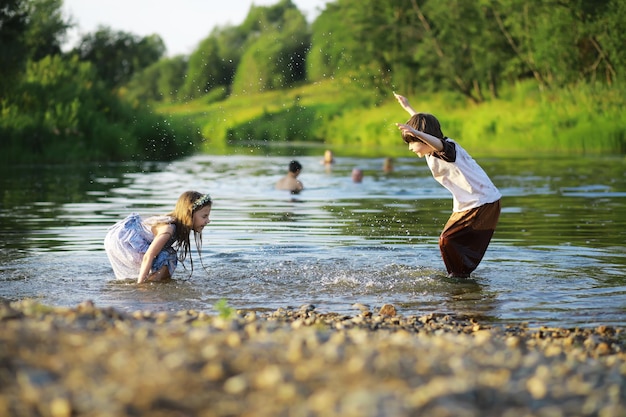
[{"x": 162, "y": 234}]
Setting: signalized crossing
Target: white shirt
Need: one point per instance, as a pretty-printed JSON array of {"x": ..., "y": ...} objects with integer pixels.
[{"x": 457, "y": 171}]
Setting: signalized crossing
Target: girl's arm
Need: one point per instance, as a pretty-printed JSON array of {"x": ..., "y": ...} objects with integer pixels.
[
  {"x": 404, "y": 102},
  {"x": 162, "y": 234},
  {"x": 430, "y": 140}
]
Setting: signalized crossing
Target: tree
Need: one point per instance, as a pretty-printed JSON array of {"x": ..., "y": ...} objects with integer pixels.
[
  {"x": 369, "y": 42},
  {"x": 275, "y": 49},
  {"x": 609, "y": 42},
  {"x": 325, "y": 57},
  {"x": 160, "y": 81},
  {"x": 47, "y": 110},
  {"x": 29, "y": 29},
  {"x": 62, "y": 111},
  {"x": 117, "y": 55},
  {"x": 340, "y": 43},
  {"x": 13, "y": 54},
  {"x": 601, "y": 40},
  {"x": 563, "y": 42},
  {"x": 47, "y": 28},
  {"x": 462, "y": 48},
  {"x": 213, "y": 63}
]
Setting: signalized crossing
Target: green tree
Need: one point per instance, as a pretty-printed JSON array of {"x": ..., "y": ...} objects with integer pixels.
[
  {"x": 462, "y": 49},
  {"x": 63, "y": 111},
  {"x": 275, "y": 52},
  {"x": 609, "y": 43},
  {"x": 340, "y": 44},
  {"x": 47, "y": 28},
  {"x": 543, "y": 35},
  {"x": 43, "y": 114},
  {"x": 559, "y": 43},
  {"x": 29, "y": 29},
  {"x": 160, "y": 82},
  {"x": 211, "y": 65},
  {"x": 117, "y": 55},
  {"x": 601, "y": 39},
  {"x": 369, "y": 42},
  {"x": 325, "y": 57},
  {"x": 13, "y": 54}
]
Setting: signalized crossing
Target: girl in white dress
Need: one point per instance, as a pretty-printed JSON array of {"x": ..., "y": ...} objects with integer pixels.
[{"x": 149, "y": 249}]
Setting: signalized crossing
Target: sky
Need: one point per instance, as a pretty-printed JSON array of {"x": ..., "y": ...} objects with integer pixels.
[{"x": 182, "y": 24}]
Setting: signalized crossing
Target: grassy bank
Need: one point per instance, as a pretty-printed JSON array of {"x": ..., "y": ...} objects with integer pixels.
[{"x": 586, "y": 119}]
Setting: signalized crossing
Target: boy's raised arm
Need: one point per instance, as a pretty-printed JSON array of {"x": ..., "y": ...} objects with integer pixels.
[
  {"x": 404, "y": 102},
  {"x": 430, "y": 140}
]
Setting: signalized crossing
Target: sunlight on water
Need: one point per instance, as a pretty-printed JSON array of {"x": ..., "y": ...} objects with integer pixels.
[{"x": 558, "y": 256}]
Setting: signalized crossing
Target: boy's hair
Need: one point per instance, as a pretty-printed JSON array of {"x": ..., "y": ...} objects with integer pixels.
[
  {"x": 424, "y": 122},
  {"x": 294, "y": 166}
]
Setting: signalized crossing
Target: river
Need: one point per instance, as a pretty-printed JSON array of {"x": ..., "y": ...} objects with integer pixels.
[{"x": 558, "y": 257}]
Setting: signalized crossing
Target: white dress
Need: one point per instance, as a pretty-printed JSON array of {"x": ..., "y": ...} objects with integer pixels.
[{"x": 128, "y": 240}]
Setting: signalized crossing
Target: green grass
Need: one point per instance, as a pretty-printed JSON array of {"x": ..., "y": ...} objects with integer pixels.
[
  {"x": 224, "y": 310},
  {"x": 579, "y": 120}
]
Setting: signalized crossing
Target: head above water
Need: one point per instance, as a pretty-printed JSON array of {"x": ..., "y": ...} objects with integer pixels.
[
  {"x": 295, "y": 166},
  {"x": 424, "y": 122},
  {"x": 357, "y": 175},
  {"x": 388, "y": 165},
  {"x": 329, "y": 158}
]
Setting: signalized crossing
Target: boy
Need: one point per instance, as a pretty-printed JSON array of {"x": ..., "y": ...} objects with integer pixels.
[
  {"x": 290, "y": 181},
  {"x": 476, "y": 201}
]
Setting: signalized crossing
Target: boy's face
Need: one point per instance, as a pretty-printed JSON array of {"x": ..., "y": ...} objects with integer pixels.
[{"x": 419, "y": 148}]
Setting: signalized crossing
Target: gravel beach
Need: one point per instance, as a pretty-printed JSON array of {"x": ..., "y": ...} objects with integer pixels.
[{"x": 90, "y": 361}]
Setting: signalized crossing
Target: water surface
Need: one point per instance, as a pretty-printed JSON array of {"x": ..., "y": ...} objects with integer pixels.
[{"x": 558, "y": 257}]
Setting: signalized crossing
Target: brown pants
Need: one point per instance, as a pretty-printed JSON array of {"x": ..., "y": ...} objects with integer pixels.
[{"x": 465, "y": 238}]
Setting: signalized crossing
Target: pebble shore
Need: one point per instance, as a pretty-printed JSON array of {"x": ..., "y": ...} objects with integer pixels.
[{"x": 90, "y": 361}]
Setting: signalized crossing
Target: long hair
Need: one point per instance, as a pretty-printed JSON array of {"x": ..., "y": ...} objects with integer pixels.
[
  {"x": 424, "y": 122},
  {"x": 188, "y": 203}
]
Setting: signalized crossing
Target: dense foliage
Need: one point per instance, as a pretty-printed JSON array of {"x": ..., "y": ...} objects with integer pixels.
[
  {"x": 118, "y": 55},
  {"x": 470, "y": 47},
  {"x": 57, "y": 106},
  {"x": 517, "y": 72},
  {"x": 330, "y": 80}
]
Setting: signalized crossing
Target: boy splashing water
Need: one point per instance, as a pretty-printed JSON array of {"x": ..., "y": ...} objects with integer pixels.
[{"x": 476, "y": 201}]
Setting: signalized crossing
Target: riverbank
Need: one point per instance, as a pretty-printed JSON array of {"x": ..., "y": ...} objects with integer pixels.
[
  {"x": 525, "y": 120},
  {"x": 90, "y": 361}
]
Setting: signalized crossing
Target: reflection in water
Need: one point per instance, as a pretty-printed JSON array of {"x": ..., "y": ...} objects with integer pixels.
[{"x": 557, "y": 257}]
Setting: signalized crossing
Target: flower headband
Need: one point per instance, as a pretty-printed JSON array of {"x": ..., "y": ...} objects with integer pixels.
[{"x": 201, "y": 202}]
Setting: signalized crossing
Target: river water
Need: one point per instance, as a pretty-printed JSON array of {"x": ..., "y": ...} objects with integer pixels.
[{"x": 558, "y": 257}]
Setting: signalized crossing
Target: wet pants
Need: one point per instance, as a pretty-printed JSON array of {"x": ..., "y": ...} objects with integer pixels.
[{"x": 466, "y": 236}]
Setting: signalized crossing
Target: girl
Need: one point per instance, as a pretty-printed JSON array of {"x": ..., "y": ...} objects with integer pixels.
[
  {"x": 476, "y": 201},
  {"x": 150, "y": 249}
]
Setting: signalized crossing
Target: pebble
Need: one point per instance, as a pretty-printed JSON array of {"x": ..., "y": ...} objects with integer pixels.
[{"x": 301, "y": 362}]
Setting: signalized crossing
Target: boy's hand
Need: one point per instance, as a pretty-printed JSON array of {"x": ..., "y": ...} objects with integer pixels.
[
  {"x": 410, "y": 131},
  {"x": 404, "y": 102},
  {"x": 401, "y": 99},
  {"x": 406, "y": 129}
]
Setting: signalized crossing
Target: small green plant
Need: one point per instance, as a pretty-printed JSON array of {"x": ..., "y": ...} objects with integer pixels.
[{"x": 224, "y": 310}]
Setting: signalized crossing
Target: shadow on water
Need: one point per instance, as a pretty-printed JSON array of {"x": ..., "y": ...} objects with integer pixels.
[{"x": 557, "y": 257}]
